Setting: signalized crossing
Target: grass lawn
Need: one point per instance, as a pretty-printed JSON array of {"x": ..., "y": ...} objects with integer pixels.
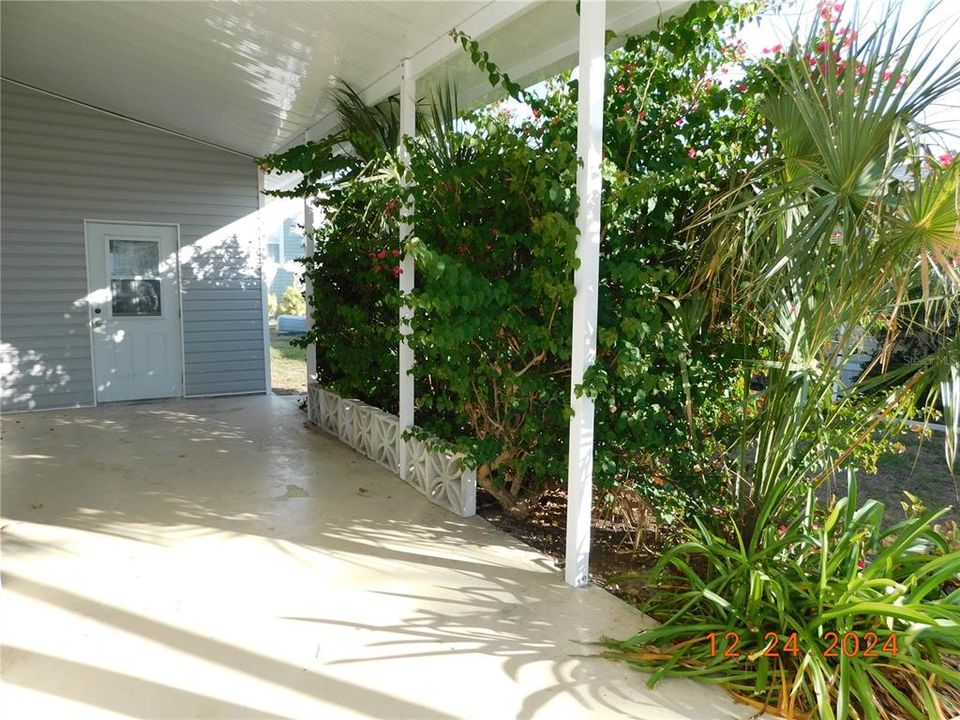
[
  {"x": 921, "y": 469},
  {"x": 288, "y": 365}
]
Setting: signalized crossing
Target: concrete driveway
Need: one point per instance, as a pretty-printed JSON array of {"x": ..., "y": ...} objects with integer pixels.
[{"x": 218, "y": 559}]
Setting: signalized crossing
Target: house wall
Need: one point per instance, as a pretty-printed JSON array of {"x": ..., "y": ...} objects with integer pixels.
[{"x": 60, "y": 164}]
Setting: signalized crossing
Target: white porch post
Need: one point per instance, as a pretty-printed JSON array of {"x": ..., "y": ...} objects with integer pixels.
[
  {"x": 309, "y": 249},
  {"x": 408, "y": 116},
  {"x": 264, "y": 289},
  {"x": 586, "y": 280}
]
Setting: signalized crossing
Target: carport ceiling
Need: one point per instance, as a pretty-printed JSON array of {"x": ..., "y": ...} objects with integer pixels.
[{"x": 253, "y": 76}]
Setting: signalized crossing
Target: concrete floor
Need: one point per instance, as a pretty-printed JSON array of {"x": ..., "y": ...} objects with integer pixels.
[{"x": 218, "y": 559}]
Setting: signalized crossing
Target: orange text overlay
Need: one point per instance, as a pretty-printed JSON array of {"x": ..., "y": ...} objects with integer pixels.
[{"x": 851, "y": 644}]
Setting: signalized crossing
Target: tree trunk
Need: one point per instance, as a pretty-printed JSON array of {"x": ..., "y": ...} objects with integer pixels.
[{"x": 505, "y": 493}]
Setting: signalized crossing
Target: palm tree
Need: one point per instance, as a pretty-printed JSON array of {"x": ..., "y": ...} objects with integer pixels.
[{"x": 846, "y": 226}]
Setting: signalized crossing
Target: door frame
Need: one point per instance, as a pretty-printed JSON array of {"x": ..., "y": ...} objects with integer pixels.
[{"x": 179, "y": 293}]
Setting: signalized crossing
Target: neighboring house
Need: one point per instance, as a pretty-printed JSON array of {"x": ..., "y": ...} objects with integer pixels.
[
  {"x": 283, "y": 234},
  {"x": 130, "y": 261}
]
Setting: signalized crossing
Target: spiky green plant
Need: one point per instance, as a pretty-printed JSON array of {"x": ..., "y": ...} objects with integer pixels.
[
  {"x": 846, "y": 226},
  {"x": 833, "y": 617}
]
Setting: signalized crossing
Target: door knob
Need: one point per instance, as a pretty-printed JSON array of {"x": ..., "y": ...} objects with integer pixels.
[{"x": 98, "y": 322}]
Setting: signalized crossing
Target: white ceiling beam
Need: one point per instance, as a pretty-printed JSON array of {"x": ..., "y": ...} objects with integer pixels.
[
  {"x": 622, "y": 18},
  {"x": 486, "y": 20},
  {"x": 481, "y": 23},
  {"x": 564, "y": 54}
]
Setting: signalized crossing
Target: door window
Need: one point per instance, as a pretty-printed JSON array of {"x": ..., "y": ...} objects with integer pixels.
[{"x": 135, "y": 278}]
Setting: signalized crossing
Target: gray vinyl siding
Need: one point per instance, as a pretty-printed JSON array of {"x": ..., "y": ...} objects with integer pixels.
[{"x": 61, "y": 164}]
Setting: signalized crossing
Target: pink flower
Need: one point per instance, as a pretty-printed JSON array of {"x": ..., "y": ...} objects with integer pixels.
[
  {"x": 463, "y": 250},
  {"x": 783, "y": 530},
  {"x": 887, "y": 75},
  {"x": 861, "y": 563},
  {"x": 396, "y": 253},
  {"x": 397, "y": 271},
  {"x": 691, "y": 153},
  {"x": 641, "y": 114},
  {"x": 822, "y": 46},
  {"x": 680, "y": 122},
  {"x": 742, "y": 87},
  {"x": 776, "y": 48},
  {"x": 946, "y": 159},
  {"x": 381, "y": 255},
  {"x": 536, "y": 113},
  {"x": 621, "y": 88}
]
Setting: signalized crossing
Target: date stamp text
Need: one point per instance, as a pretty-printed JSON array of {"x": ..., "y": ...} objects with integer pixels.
[{"x": 851, "y": 644}]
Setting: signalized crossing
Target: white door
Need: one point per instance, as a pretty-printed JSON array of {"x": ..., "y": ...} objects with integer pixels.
[{"x": 134, "y": 310}]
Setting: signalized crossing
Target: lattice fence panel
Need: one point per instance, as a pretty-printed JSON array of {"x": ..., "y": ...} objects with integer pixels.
[{"x": 436, "y": 473}]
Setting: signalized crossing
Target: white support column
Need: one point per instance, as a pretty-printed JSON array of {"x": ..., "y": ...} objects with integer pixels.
[
  {"x": 408, "y": 119},
  {"x": 264, "y": 289},
  {"x": 309, "y": 248},
  {"x": 586, "y": 280}
]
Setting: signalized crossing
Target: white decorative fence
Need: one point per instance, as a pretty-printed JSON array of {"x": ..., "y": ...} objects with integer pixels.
[{"x": 436, "y": 473}]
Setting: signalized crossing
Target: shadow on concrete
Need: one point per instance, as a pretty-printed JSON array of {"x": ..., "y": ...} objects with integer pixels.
[{"x": 490, "y": 595}]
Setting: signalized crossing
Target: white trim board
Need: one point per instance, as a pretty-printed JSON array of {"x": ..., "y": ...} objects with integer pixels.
[{"x": 120, "y": 116}]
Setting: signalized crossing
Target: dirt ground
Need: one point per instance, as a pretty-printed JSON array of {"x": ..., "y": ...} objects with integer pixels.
[
  {"x": 921, "y": 469},
  {"x": 611, "y": 550}
]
